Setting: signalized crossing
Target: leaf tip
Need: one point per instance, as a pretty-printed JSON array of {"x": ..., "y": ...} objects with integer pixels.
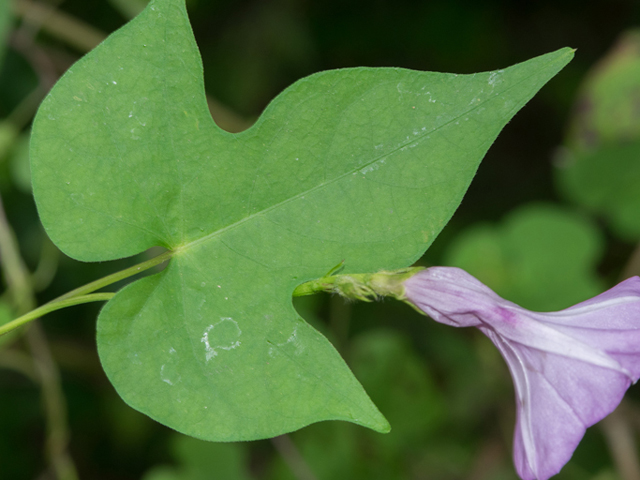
[
  {"x": 385, "y": 428},
  {"x": 569, "y": 52},
  {"x": 378, "y": 424}
]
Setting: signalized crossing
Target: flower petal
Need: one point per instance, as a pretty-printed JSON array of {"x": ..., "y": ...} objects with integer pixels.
[
  {"x": 570, "y": 368},
  {"x": 557, "y": 399}
]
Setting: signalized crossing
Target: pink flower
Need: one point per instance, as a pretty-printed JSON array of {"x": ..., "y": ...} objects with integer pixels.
[{"x": 570, "y": 368}]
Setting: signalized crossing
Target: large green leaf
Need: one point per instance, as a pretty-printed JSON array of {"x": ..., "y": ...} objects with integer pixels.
[{"x": 362, "y": 164}]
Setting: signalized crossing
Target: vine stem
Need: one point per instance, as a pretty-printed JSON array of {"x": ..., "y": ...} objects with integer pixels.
[
  {"x": 622, "y": 446},
  {"x": 115, "y": 277},
  {"x": 51, "y": 307},
  {"x": 76, "y": 33},
  {"x": 292, "y": 457},
  {"x": 46, "y": 372},
  {"x": 85, "y": 293}
]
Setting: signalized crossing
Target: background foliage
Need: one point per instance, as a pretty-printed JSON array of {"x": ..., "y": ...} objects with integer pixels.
[{"x": 549, "y": 220}]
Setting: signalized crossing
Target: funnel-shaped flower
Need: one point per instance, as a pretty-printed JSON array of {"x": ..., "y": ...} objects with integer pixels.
[{"x": 570, "y": 368}]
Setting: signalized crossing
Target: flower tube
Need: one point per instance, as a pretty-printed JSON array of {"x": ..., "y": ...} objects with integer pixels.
[{"x": 570, "y": 368}]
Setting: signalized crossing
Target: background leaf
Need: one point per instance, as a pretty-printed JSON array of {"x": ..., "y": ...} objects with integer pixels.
[
  {"x": 204, "y": 461},
  {"x": 605, "y": 181},
  {"x": 600, "y": 164},
  {"x": 606, "y": 109},
  {"x": 19, "y": 164},
  {"x": 404, "y": 389},
  {"x": 542, "y": 257},
  {"x": 365, "y": 165}
]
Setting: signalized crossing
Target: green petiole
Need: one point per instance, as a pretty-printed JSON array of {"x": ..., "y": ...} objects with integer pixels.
[
  {"x": 115, "y": 277},
  {"x": 52, "y": 306},
  {"x": 85, "y": 293}
]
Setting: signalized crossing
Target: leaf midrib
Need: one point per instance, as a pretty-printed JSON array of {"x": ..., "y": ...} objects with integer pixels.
[{"x": 411, "y": 141}]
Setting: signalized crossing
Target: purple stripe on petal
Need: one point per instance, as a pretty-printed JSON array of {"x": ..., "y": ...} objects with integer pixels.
[{"x": 570, "y": 368}]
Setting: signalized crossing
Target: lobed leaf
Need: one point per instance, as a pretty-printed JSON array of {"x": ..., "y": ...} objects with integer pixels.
[{"x": 363, "y": 165}]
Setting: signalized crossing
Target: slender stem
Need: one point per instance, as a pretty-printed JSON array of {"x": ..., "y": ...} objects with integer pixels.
[
  {"x": 292, "y": 457},
  {"x": 47, "y": 266},
  {"x": 19, "y": 285},
  {"x": 37, "y": 57},
  {"x": 115, "y": 277},
  {"x": 490, "y": 455},
  {"x": 127, "y": 8},
  {"x": 26, "y": 109},
  {"x": 52, "y": 307},
  {"x": 82, "y": 294},
  {"x": 19, "y": 362},
  {"x": 75, "y": 32},
  {"x": 17, "y": 277},
  {"x": 54, "y": 403},
  {"x": 622, "y": 445}
]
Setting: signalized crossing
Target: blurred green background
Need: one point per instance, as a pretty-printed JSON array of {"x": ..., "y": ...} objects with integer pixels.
[{"x": 551, "y": 219}]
